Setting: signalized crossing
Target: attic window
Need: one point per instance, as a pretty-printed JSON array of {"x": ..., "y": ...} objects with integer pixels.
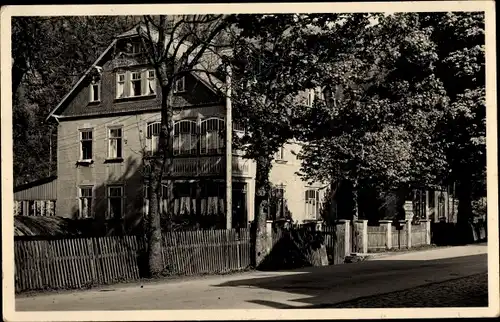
[
  {"x": 135, "y": 82},
  {"x": 136, "y": 48},
  {"x": 120, "y": 85},
  {"x": 180, "y": 85},
  {"x": 95, "y": 91},
  {"x": 151, "y": 82}
]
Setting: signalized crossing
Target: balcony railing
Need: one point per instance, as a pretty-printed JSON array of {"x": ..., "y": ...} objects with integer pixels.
[{"x": 208, "y": 166}]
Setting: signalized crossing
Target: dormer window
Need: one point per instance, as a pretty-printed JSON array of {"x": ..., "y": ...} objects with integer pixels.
[
  {"x": 135, "y": 84},
  {"x": 180, "y": 85},
  {"x": 136, "y": 48},
  {"x": 95, "y": 91},
  {"x": 151, "y": 86},
  {"x": 120, "y": 85}
]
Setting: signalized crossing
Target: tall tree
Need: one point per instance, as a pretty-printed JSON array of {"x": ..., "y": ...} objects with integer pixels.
[
  {"x": 175, "y": 46},
  {"x": 267, "y": 59},
  {"x": 460, "y": 41},
  {"x": 48, "y": 56},
  {"x": 381, "y": 101}
]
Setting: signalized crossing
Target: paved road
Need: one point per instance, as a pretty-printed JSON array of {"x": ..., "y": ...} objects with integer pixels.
[
  {"x": 311, "y": 287},
  {"x": 470, "y": 291}
]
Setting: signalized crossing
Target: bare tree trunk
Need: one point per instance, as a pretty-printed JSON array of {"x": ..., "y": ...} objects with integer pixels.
[
  {"x": 261, "y": 205},
  {"x": 161, "y": 167},
  {"x": 355, "y": 206},
  {"x": 155, "y": 264}
]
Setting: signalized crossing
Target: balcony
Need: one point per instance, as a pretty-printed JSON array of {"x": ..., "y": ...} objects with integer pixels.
[{"x": 208, "y": 166}]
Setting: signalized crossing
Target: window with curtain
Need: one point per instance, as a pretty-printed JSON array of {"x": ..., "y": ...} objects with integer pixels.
[
  {"x": 185, "y": 138},
  {"x": 120, "y": 85},
  {"x": 212, "y": 138},
  {"x": 115, "y": 143},
  {"x": 151, "y": 81},
  {"x": 86, "y": 202}
]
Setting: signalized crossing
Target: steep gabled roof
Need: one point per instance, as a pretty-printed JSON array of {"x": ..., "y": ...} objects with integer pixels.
[
  {"x": 210, "y": 81},
  {"x": 81, "y": 79}
]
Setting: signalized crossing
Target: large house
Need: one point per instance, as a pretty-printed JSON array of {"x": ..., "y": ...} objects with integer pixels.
[{"x": 108, "y": 127}]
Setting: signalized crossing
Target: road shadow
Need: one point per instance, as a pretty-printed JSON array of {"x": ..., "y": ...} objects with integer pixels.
[{"x": 331, "y": 285}]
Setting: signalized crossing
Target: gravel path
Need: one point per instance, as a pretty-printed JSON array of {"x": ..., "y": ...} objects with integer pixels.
[{"x": 470, "y": 291}]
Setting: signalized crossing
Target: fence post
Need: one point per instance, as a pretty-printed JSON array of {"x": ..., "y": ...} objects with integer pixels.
[
  {"x": 388, "y": 232},
  {"x": 269, "y": 236},
  {"x": 408, "y": 231},
  {"x": 427, "y": 224},
  {"x": 347, "y": 236},
  {"x": 361, "y": 226}
]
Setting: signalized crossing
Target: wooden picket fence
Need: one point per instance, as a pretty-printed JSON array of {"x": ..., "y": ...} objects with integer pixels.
[
  {"x": 399, "y": 237},
  {"x": 82, "y": 262},
  {"x": 335, "y": 243},
  {"x": 74, "y": 263},
  {"x": 418, "y": 235},
  {"x": 207, "y": 251},
  {"x": 377, "y": 236}
]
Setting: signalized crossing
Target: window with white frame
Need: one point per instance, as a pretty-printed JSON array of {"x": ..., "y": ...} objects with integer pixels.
[
  {"x": 115, "y": 147},
  {"x": 312, "y": 203},
  {"x": 115, "y": 201},
  {"x": 151, "y": 82},
  {"x": 212, "y": 136},
  {"x": 180, "y": 85},
  {"x": 86, "y": 144},
  {"x": 95, "y": 91},
  {"x": 135, "y": 84},
  {"x": 120, "y": 85},
  {"x": 280, "y": 154},
  {"x": 85, "y": 205},
  {"x": 153, "y": 137},
  {"x": 185, "y": 138}
]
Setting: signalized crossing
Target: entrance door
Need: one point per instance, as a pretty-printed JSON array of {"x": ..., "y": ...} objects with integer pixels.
[{"x": 240, "y": 217}]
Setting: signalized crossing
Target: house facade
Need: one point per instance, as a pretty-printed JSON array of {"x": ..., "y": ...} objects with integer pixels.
[{"x": 108, "y": 129}]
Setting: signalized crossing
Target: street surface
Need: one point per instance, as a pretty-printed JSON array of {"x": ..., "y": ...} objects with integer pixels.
[{"x": 386, "y": 281}]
